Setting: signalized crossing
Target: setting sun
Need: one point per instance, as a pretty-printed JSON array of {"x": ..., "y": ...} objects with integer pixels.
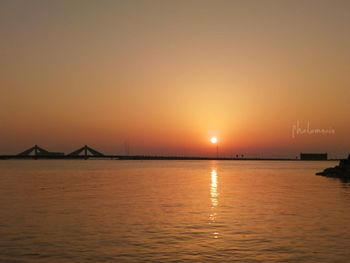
[
  {"x": 214, "y": 140},
  {"x": 127, "y": 126}
]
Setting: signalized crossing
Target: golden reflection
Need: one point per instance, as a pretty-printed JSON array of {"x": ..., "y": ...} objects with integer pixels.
[
  {"x": 214, "y": 198},
  {"x": 214, "y": 188}
]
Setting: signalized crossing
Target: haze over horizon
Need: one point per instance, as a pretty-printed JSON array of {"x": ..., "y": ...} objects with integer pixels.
[{"x": 166, "y": 76}]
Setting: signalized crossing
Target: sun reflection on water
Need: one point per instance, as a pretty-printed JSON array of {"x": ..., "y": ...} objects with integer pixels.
[
  {"x": 214, "y": 199},
  {"x": 214, "y": 188}
]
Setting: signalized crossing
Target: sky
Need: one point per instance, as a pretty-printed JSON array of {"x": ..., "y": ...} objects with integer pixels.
[{"x": 163, "y": 77}]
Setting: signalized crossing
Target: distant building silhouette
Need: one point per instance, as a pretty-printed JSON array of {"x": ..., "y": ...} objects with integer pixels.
[{"x": 313, "y": 156}]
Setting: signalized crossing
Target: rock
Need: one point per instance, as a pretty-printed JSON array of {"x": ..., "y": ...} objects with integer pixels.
[{"x": 340, "y": 171}]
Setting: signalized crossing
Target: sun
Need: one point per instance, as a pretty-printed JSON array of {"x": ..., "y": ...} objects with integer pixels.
[{"x": 214, "y": 140}]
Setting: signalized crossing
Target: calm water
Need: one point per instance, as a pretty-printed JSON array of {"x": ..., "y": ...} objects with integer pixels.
[{"x": 172, "y": 211}]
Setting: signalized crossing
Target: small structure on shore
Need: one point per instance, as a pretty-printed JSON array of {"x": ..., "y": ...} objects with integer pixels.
[
  {"x": 342, "y": 170},
  {"x": 313, "y": 156}
]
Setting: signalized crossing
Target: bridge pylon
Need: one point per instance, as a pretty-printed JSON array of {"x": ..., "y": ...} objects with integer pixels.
[
  {"x": 34, "y": 151},
  {"x": 86, "y": 152}
]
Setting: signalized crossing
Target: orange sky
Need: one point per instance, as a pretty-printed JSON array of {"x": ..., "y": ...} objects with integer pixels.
[{"x": 167, "y": 75}]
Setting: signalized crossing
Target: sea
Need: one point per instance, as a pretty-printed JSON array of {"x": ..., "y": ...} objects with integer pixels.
[{"x": 172, "y": 211}]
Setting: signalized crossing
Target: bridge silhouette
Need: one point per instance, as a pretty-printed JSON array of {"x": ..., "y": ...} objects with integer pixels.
[
  {"x": 37, "y": 152},
  {"x": 86, "y": 152}
]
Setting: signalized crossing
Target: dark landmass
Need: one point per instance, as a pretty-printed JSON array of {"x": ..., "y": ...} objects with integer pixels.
[{"x": 342, "y": 170}]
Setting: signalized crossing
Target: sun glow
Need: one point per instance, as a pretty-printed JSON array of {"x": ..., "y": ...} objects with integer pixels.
[{"x": 214, "y": 140}]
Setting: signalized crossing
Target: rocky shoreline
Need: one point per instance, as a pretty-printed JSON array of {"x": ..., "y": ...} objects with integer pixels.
[{"x": 342, "y": 170}]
